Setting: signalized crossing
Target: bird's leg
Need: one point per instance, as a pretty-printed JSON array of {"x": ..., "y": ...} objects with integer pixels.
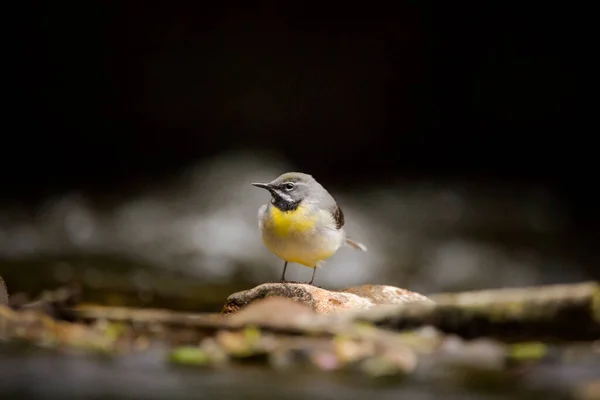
[
  {"x": 313, "y": 276},
  {"x": 283, "y": 275}
]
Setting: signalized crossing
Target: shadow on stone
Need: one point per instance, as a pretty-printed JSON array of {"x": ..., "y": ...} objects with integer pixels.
[{"x": 322, "y": 300}]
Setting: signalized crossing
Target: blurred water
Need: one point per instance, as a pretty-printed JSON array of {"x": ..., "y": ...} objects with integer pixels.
[
  {"x": 46, "y": 375},
  {"x": 425, "y": 236}
]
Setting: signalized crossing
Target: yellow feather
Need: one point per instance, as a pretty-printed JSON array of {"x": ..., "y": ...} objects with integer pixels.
[{"x": 285, "y": 223}]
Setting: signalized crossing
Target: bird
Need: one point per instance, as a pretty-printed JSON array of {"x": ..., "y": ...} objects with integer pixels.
[{"x": 302, "y": 223}]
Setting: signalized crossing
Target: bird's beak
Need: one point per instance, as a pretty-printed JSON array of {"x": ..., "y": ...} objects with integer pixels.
[{"x": 262, "y": 185}]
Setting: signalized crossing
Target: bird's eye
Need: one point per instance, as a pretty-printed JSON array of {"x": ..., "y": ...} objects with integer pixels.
[{"x": 289, "y": 186}]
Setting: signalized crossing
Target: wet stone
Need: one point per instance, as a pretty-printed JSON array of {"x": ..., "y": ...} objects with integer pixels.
[{"x": 322, "y": 300}]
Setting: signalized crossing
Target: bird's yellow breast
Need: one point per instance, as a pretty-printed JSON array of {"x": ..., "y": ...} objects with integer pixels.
[{"x": 285, "y": 223}]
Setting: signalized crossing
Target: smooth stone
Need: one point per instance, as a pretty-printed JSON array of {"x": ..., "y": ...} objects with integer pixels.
[{"x": 322, "y": 300}]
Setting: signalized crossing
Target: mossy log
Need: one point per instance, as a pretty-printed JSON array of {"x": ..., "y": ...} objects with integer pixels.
[{"x": 550, "y": 313}]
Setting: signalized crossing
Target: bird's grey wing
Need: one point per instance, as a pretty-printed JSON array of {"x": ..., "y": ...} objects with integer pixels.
[
  {"x": 338, "y": 216},
  {"x": 327, "y": 202}
]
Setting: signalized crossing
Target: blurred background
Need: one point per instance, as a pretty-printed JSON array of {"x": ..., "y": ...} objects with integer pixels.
[{"x": 454, "y": 137}]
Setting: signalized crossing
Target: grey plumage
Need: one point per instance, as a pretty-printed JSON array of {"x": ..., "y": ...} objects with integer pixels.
[{"x": 308, "y": 247}]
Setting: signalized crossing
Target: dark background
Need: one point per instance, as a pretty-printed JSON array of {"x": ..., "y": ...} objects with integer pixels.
[
  {"x": 110, "y": 97},
  {"x": 483, "y": 91}
]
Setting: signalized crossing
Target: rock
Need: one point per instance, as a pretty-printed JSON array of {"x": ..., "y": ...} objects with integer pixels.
[
  {"x": 322, "y": 300},
  {"x": 273, "y": 311}
]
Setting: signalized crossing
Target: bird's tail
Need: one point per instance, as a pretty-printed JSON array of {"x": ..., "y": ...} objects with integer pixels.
[{"x": 356, "y": 245}]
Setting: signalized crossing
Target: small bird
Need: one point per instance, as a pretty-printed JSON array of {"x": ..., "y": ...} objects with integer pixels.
[{"x": 302, "y": 223}]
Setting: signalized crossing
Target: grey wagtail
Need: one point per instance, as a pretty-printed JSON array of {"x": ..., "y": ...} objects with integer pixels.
[{"x": 302, "y": 223}]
